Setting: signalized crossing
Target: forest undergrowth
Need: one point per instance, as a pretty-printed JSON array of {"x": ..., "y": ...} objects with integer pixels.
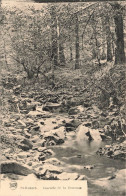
[{"x": 28, "y": 74}]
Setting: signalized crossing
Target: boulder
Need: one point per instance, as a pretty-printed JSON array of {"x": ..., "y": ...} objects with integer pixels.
[
  {"x": 42, "y": 157},
  {"x": 71, "y": 125},
  {"x": 87, "y": 124},
  {"x": 60, "y": 132},
  {"x": 52, "y": 169},
  {"x": 17, "y": 89},
  {"x": 40, "y": 173},
  {"x": 41, "y": 149},
  {"x": 7, "y": 123},
  {"x": 52, "y": 139},
  {"x": 35, "y": 130},
  {"x": 50, "y": 176},
  {"x": 119, "y": 155},
  {"x": 46, "y": 153},
  {"x": 82, "y": 177},
  {"x": 23, "y": 155},
  {"x": 27, "y": 142},
  {"x": 68, "y": 176},
  {"x": 25, "y": 145},
  {"x": 76, "y": 110},
  {"x": 116, "y": 151},
  {"x": 95, "y": 134},
  {"x": 43, "y": 143},
  {"x": 53, "y": 161},
  {"x": 36, "y": 139},
  {"x": 11, "y": 176},
  {"x": 15, "y": 168},
  {"x": 36, "y": 166},
  {"x": 27, "y": 135},
  {"x": 85, "y": 133},
  {"x": 69, "y": 129},
  {"x": 56, "y": 135},
  {"x": 23, "y": 105},
  {"x": 39, "y": 114},
  {"x": 54, "y": 143},
  {"x": 105, "y": 137},
  {"x": 52, "y": 107},
  {"x": 31, "y": 106},
  {"x": 95, "y": 124}
]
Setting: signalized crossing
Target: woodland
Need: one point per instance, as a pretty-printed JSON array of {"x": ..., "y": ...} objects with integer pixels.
[{"x": 62, "y": 89}]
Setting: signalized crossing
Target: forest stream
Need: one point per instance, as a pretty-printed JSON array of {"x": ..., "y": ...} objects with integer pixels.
[
  {"x": 80, "y": 157},
  {"x": 73, "y": 159},
  {"x": 46, "y": 139}
]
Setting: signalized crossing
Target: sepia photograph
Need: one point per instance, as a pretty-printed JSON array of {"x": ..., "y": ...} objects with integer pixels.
[{"x": 62, "y": 98}]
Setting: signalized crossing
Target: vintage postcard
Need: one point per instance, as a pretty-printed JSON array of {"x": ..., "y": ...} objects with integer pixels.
[{"x": 62, "y": 104}]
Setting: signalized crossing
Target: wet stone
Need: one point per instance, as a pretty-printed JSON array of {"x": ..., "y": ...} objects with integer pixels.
[
  {"x": 27, "y": 142},
  {"x": 68, "y": 176},
  {"x": 24, "y": 147},
  {"x": 52, "y": 107},
  {"x": 14, "y": 167}
]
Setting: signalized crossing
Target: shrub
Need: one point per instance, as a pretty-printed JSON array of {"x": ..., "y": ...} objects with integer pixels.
[{"x": 31, "y": 41}]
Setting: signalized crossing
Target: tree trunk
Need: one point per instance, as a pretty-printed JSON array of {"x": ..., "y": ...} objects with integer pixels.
[
  {"x": 61, "y": 54},
  {"x": 54, "y": 36},
  {"x": 108, "y": 39},
  {"x": 97, "y": 51},
  {"x": 30, "y": 74},
  {"x": 71, "y": 54},
  {"x": 113, "y": 44},
  {"x": 94, "y": 55},
  {"x": 103, "y": 51},
  {"x": 70, "y": 45},
  {"x": 77, "y": 61},
  {"x": 119, "y": 51},
  {"x": 62, "y": 60}
]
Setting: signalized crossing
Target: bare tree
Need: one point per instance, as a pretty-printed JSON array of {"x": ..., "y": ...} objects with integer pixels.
[
  {"x": 54, "y": 35},
  {"x": 77, "y": 61},
  {"x": 108, "y": 39},
  {"x": 118, "y": 19},
  {"x": 62, "y": 61}
]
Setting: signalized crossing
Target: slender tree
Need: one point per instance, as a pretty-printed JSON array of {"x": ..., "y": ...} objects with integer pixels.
[
  {"x": 96, "y": 52},
  {"x": 77, "y": 47},
  {"x": 108, "y": 39},
  {"x": 71, "y": 51},
  {"x": 54, "y": 36},
  {"x": 118, "y": 19},
  {"x": 62, "y": 60}
]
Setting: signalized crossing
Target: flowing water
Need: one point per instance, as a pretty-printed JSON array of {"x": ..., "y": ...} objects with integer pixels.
[
  {"x": 73, "y": 153},
  {"x": 78, "y": 155}
]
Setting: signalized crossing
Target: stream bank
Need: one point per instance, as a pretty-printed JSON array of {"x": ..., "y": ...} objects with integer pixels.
[
  {"x": 71, "y": 129},
  {"x": 50, "y": 141}
]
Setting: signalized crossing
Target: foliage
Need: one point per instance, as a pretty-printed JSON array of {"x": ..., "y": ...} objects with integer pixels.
[
  {"x": 30, "y": 41},
  {"x": 61, "y": 33}
]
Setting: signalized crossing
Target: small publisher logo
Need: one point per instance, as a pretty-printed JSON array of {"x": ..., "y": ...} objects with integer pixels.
[{"x": 13, "y": 185}]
